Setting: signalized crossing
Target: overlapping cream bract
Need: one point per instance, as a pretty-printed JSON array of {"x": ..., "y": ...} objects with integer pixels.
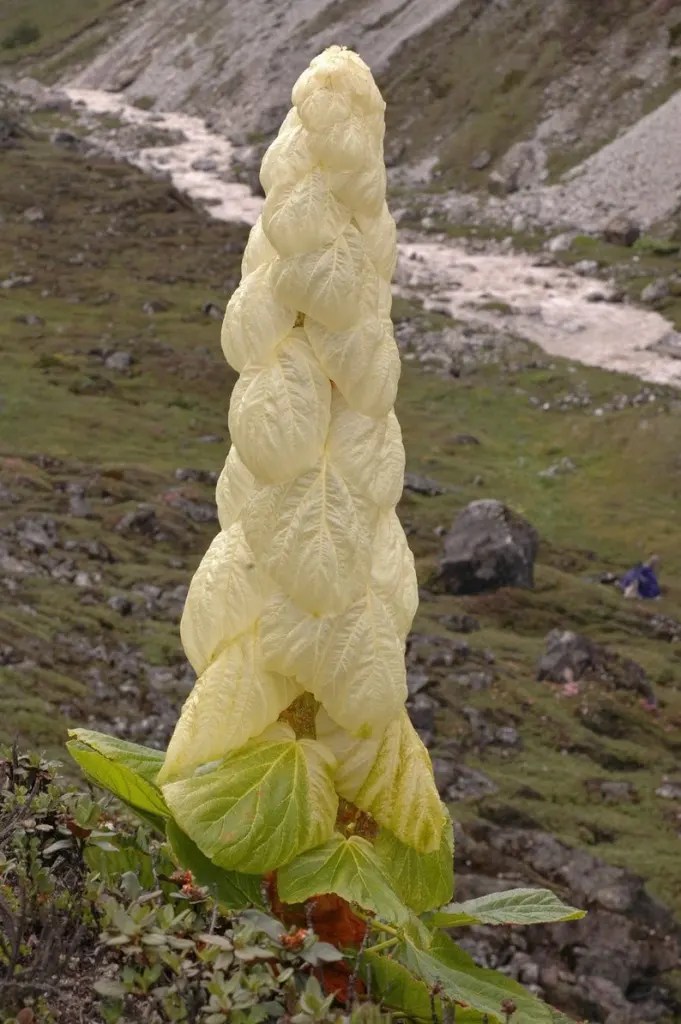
[{"x": 310, "y": 586}]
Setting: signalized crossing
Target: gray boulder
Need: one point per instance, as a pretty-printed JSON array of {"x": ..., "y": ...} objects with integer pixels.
[
  {"x": 488, "y": 547},
  {"x": 621, "y": 230},
  {"x": 522, "y": 166}
]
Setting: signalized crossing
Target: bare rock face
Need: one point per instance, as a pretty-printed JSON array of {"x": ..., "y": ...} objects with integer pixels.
[
  {"x": 488, "y": 547},
  {"x": 613, "y": 966}
]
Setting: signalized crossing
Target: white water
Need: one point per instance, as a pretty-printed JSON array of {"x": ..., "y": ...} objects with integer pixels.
[{"x": 547, "y": 305}]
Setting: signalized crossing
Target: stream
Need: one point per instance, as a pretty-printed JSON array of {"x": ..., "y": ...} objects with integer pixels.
[{"x": 565, "y": 313}]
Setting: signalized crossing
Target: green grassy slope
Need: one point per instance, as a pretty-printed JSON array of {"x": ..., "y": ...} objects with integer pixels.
[{"x": 110, "y": 242}]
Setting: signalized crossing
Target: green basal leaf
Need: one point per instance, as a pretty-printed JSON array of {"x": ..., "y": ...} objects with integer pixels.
[
  {"x": 469, "y": 986},
  {"x": 348, "y": 867},
  {"x": 263, "y": 805},
  {"x": 126, "y": 769},
  {"x": 517, "y": 906},
  {"x": 229, "y": 888},
  {"x": 422, "y": 880},
  {"x": 399, "y": 990}
]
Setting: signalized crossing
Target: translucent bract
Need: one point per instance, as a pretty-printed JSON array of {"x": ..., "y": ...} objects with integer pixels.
[{"x": 310, "y": 587}]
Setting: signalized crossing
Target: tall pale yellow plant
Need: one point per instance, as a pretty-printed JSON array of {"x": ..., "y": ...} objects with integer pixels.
[
  {"x": 299, "y": 612},
  {"x": 294, "y": 754}
]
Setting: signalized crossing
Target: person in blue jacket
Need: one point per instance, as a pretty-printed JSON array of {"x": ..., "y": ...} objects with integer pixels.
[{"x": 641, "y": 581}]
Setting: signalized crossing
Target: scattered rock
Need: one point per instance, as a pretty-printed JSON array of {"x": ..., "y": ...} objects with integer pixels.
[
  {"x": 202, "y": 476},
  {"x": 523, "y": 165},
  {"x": 142, "y": 519},
  {"x": 480, "y": 726},
  {"x": 585, "y": 268},
  {"x": 562, "y": 468},
  {"x": 611, "y": 791},
  {"x": 121, "y": 604},
  {"x": 465, "y": 439},
  {"x": 152, "y": 306},
  {"x": 668, "y": 345},
  {"x": 460, "y": 623},
  {"x": 66, "y": 140},
  {"x": 79, "y": 507},
  {"x": 560, "y": 243},
  {"x": 570, "y": 656},
  {"x": 204, "y": 164},
  {"x": 119, "y": 361},
  {"x": 662, "y": 627},
  {"x": 488, "y": 547},
  {"x": 423, "y": 485},
  {"x": 37, "y": 535},
  {"x": 30, "y": 319},
  {"x": 496, "y": 185},
  {"x": 16, "y": 281},
  {"x": 508, "y": 736},
  {"x": 655, "y": 291},
  {"x": 212, "y": 310},
  {"x": 476, "y": 680},
  {"x": 466, "y": 783},
  {"x": 34, "y": 215},
  {"x": 482, "y": 160},
  {"x": 567, "y": 656},
  {"x": 621, "y": 230},
  {"x": 422, "y": 712},
  {"x": 417, "y": 681},
  {"x": 669, "y": 790},
  {"x": 197, "y": 511}
]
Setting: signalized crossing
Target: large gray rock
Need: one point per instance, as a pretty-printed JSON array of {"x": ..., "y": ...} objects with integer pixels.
[{"x": 488, "y": 547}]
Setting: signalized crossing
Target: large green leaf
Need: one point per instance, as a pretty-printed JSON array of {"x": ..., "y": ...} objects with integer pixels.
[
  {"x": 126, "y": 769},
  {"x": 516, "y": 906},
  {"x": 469, "y": 986},
  {"x": 263, "y": 805},
  {"x": 348, "y": 867},
  {"x": 422, "y": 880},
  {"x": 399, "y": 990},
  {"x": 230, "y": 888}
]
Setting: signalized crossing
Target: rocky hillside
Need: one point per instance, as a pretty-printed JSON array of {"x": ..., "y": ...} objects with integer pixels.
[{"x": 467, "y": 81}]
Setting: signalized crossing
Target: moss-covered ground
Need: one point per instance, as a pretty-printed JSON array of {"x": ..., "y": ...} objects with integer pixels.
[{"x": 115, "y": 262}]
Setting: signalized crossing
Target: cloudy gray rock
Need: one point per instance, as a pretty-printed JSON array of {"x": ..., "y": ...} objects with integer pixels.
[{"x": 489, "y": 546}]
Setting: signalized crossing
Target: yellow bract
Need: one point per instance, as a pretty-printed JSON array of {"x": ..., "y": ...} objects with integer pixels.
[{"x": 310, "y": 586}]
